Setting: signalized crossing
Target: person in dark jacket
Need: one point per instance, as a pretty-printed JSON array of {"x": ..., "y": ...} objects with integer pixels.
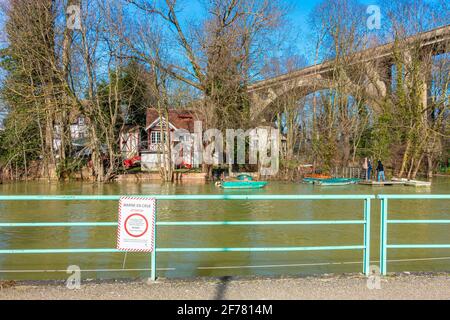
[
  {"x": 380, "y": 170},
  {"x": 369, "y": 170}
]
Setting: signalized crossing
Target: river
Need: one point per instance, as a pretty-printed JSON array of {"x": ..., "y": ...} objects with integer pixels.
[{"x": 132, "y": 265}]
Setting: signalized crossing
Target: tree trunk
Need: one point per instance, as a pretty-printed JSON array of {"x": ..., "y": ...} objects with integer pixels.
[
  {"x": 430, "y": 166},
  {"x": 405, "y": 160}
]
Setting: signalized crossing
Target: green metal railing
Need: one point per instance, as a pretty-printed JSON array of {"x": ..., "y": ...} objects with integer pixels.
[
  {"x": 384, "y": 245},
  {"x": 365, "y": 247}
]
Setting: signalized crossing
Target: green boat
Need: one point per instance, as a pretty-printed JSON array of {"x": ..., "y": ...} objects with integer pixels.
[
  {"x": 312, "y": 180},
  {"x": 337, "y": 182},
  {"x": 243, "y": 184},
  {"x": 334, "y": 184}
]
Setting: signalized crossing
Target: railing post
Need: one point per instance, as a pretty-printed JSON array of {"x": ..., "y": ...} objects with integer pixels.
[
  {"x": 153, "y": 258},
  {"x": 383, "y": 236},
  {"x": 367, "y": 237}
]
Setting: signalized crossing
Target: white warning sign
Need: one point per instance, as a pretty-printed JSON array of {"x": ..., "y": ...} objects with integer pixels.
[{"x": 136, "y": 226}]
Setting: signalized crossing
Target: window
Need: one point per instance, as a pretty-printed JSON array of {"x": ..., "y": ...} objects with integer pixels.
[{"x": 156, "y": 137}]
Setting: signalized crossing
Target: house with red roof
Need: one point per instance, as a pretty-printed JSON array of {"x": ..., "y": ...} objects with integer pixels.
[{"x": 147, "y": 143}]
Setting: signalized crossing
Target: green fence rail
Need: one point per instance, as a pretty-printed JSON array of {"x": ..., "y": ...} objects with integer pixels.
[
  {"x": 365, "y": 247},
  {"x": 384, "y": 245}
]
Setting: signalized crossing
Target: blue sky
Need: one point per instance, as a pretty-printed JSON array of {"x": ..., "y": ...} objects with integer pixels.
[
  {"x": 192, "y": 9},
  {"x": 298, "y": 16}
]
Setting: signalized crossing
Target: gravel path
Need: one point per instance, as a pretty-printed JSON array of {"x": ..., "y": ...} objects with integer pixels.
[{"x": 404, "y": 286}]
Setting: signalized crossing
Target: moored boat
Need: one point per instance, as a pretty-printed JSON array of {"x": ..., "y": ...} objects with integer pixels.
[
  {"x": 311, "y": 180},
  {"x": 242, "y": 184},
  {"x": 412, "y": 183},
  {"x": 334, "y": 184},
  {"x": 331, "y": 181},
  {"x": 318, "y": 176},
  {"x": 337, "y": 182},
  {"x": 417, "y": 183}
]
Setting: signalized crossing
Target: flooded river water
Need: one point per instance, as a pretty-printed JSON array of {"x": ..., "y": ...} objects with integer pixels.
[{"x": 53, "y": 266}]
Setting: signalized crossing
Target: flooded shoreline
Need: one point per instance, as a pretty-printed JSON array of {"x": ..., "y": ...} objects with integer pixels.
[{"x": 182, "y": 265}]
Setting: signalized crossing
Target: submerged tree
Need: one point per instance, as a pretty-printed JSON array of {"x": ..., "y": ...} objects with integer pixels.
[{"x": 35, "y": 89}]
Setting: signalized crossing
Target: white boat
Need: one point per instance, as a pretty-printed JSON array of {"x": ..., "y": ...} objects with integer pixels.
[
  {"x": 417, "y": 183},
  {"x": 413, "y": 183},
  {"x": 400, "y": 179}
]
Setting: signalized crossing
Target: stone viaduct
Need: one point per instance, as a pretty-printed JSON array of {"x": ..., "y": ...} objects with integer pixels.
[{"x": 376, "y": 63}]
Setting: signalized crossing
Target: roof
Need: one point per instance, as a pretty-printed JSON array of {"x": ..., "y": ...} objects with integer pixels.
[{"x": 180, "y": 119}]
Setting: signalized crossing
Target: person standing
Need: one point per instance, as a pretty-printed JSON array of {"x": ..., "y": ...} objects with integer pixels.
[
  {"x": 369, "y": 170},
  {"x": 365, "y": 167},
  {"x": 380, "y": 170}
]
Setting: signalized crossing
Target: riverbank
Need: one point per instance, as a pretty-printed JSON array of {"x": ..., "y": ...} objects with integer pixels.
[
  {"x": 342, "y": 287},
  {"x": 179, "y": 176}
]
